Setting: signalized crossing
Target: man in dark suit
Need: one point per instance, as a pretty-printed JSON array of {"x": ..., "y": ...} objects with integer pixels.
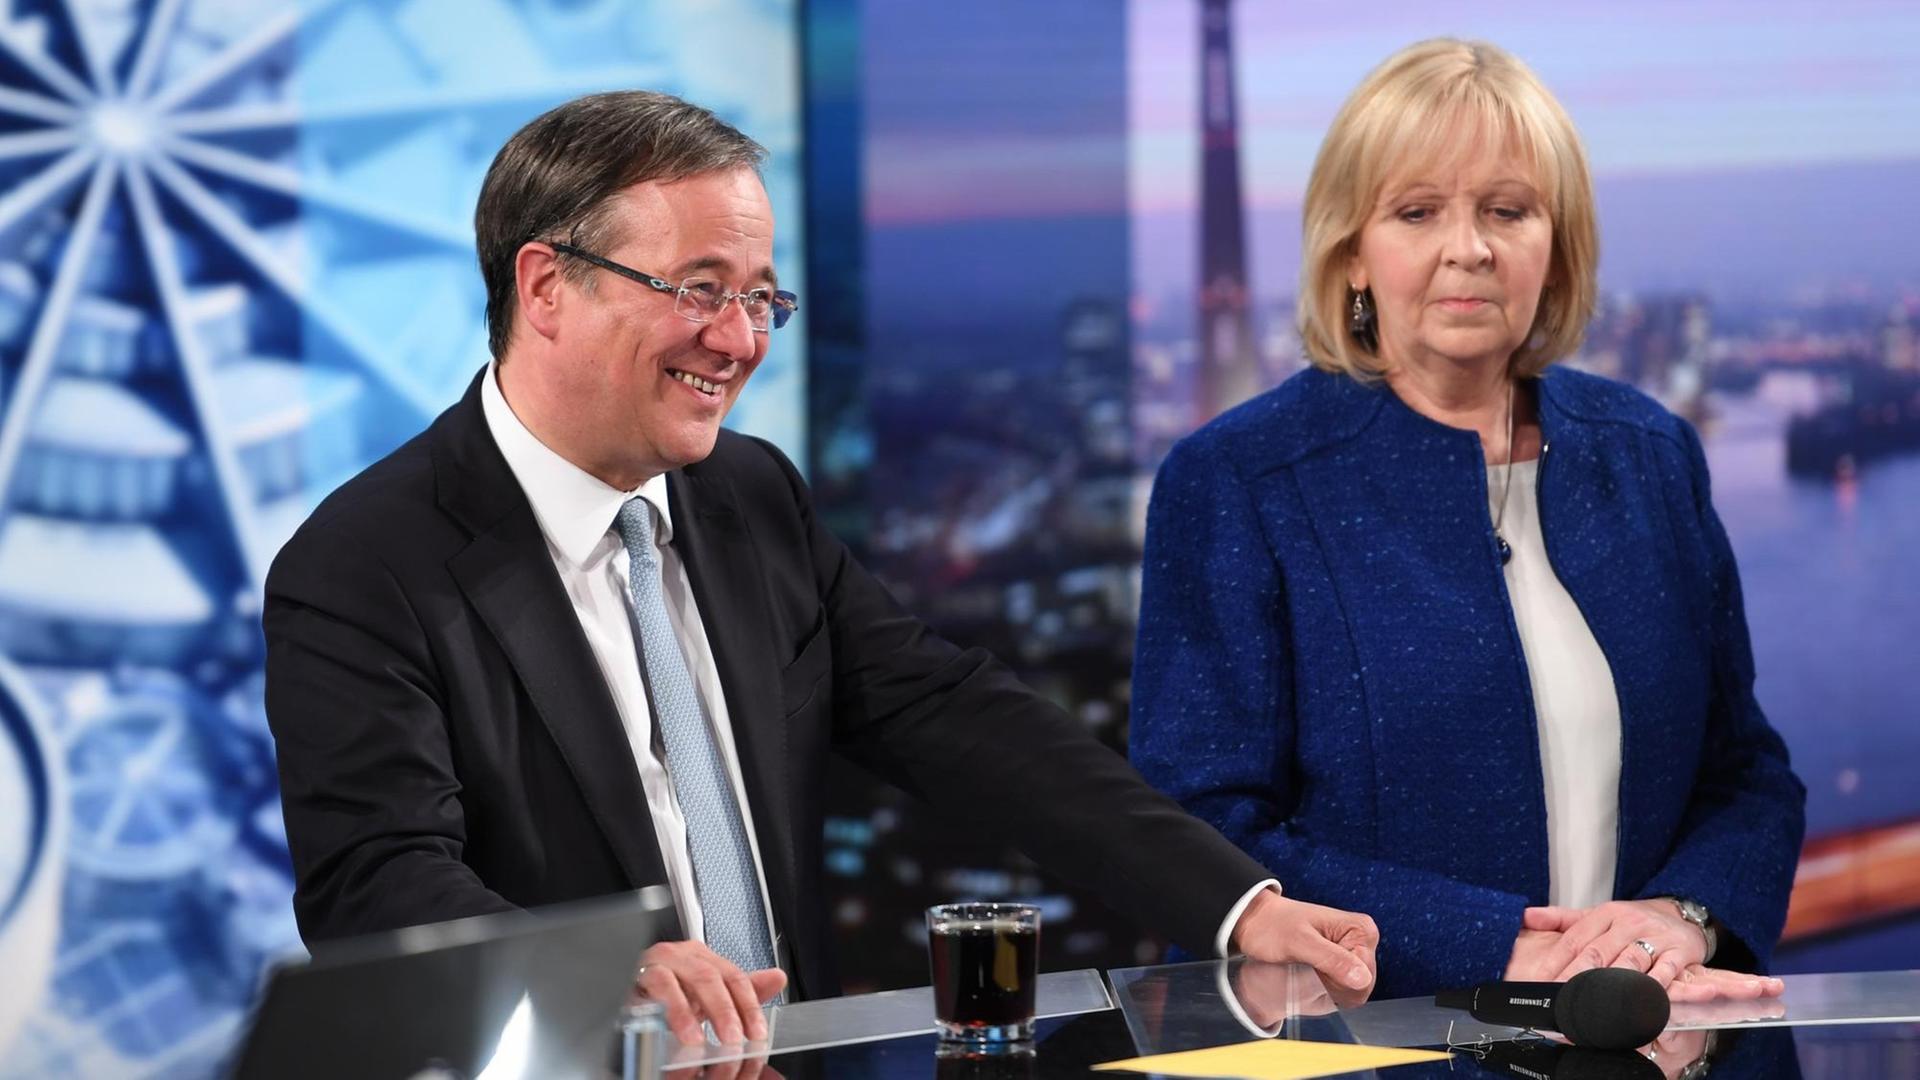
[{"x": 576, "y": 639}]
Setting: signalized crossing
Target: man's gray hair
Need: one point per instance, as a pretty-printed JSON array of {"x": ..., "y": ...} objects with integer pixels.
[{"x": 556, "y": 179}]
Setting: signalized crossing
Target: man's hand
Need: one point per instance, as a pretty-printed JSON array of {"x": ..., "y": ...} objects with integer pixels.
[
  {"x": 1270, "y": 993},
  {"x": 753, "y": 1068},
  {"x": 1338, "y": 944},
  {"x": 696, "y": 984},
  {"x": 1267, "y": 993}
]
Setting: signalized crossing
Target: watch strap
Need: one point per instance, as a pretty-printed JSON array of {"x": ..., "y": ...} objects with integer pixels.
[{"x": 1696, "y": 913}]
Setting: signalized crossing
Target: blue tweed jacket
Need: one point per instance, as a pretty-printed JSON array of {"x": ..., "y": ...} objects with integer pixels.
[{"x": 1328, "y": 669}]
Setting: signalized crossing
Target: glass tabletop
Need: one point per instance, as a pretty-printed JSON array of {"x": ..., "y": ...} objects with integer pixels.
[{"x": 1167, "y": 1008}]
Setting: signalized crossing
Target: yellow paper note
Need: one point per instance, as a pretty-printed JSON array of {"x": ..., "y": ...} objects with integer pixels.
[{"x": 1274, "y": 1059}]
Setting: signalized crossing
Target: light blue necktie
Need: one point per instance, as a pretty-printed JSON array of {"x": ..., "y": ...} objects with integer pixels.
[{"x": 716, "y": 835}]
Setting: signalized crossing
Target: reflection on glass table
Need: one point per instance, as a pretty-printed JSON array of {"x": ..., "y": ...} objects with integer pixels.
[
  {"x": 1175, "y": 1007},
  {"x": 1768, "y": 1054},
  {"x": 1063, "y": 1046},
  {"x": 890, "y": 1014},
  {"x": 1071, "y": 1046}
]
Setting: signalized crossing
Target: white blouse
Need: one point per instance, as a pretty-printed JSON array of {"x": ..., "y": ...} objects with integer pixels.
[{"x": 1574, "y": 698}]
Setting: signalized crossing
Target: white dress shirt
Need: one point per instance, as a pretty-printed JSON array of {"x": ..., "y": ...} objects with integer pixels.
[
  {"x": 576, "y": 513},
  {"x": 1574, "y": 699}
]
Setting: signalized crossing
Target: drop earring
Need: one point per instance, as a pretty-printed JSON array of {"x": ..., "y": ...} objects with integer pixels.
[{"x": 1360, "y": 322}]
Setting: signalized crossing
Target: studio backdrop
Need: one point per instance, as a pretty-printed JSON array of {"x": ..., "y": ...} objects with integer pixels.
[
  {"x": 1038, "y": 243},
  {"x": 236, "y": 266},
  {"x": 1082, "y": 233}
]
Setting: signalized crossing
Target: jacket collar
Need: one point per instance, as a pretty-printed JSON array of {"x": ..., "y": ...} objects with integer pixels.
[
  {"x": 1352, "y": 406},
  {"x": 575, "y": 509},
  {"x": 508, "y": 577}
]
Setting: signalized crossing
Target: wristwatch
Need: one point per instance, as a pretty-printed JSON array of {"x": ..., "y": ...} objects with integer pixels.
[
  {"x": 1703, "y": 1064},
  {"x": 1696, "y": 913}
]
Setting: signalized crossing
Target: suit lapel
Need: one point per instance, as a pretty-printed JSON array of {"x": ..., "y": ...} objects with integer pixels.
[
  {"x": 508, "y": 576},
  {"x": 724, "y": 569}
]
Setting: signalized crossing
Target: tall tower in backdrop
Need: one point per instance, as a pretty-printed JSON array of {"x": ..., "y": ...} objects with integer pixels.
[{"x": 1228, "y": 371}]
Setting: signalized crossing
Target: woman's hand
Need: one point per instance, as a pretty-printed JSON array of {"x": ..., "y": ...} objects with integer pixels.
[
  {"x": 1676, "y": 1051},
  {"x": 1536, "y": 958},
  {"x": 1696, "y": 983},
  {"x": 1612, "y": 935},
  {"x": 1528, "y": 963}
]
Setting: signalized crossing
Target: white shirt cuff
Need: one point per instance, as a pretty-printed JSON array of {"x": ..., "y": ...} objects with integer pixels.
[
  {"x": 1223, "y": 941},
  {"x": 1223, "y": 982}
]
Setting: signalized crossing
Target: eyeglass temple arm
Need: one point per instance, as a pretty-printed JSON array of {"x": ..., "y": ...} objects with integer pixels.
[{"x": 628, "y": 272}]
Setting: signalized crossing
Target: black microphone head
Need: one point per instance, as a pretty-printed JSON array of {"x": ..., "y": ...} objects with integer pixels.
[{"x": 1611, "y": 1009}]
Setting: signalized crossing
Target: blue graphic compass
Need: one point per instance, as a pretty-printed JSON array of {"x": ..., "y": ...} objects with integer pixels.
[{"x": 236, "y": 265}]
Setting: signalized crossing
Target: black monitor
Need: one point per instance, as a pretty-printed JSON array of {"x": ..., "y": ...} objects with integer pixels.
[{"x": 526, "y": 993}]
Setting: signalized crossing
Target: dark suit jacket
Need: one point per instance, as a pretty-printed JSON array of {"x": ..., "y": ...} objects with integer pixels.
[
  {"x": 448, "y": 747},
  {"x": 1329, "y": 669}
]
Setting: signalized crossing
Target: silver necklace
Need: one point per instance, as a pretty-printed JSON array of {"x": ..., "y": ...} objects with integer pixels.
[{"x": 1506, "y": 485}]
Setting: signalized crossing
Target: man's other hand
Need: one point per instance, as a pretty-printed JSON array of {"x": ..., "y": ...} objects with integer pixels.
[{"x": 1338, "y": 944}]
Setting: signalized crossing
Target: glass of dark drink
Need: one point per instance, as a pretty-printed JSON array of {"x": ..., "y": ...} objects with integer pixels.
[{"x": 986, "y": 960}]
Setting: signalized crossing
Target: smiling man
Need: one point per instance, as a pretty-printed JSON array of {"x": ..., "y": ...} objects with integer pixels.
[{"x": 576, "y": 638}]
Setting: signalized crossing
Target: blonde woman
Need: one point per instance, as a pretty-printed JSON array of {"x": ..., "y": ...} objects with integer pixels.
[{"x": 1443, "y": 632}]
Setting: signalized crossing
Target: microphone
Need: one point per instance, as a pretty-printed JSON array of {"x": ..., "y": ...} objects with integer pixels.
[
  {"x": 1532, "y": 1060},
  {"x": 1605, "y": 1008}
]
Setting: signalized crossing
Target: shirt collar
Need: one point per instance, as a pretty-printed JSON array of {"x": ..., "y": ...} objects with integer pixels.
[{"x": 574, "y": 508}]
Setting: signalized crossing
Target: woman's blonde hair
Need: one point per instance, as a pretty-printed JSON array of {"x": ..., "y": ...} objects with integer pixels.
[{"x": 1425, "y": 102}]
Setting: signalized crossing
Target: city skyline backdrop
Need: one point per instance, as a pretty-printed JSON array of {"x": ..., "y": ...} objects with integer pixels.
[
  {"x": 1753, "y": 167},
  {"x": 1751, "y": 151}
]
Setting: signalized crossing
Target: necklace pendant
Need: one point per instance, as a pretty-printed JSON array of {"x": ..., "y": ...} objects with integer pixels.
[{"x": 1506, "y": 550}]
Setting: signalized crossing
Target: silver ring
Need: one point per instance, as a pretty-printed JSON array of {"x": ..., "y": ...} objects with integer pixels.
[
  {"x": 640, "y": 972},
  {"x": 1648, "y": 946}
]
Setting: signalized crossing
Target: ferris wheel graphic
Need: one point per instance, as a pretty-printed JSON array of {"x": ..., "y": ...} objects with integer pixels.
[
  {"x": 201, "y": 305},
  {"x": 236, "y": 265}
]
